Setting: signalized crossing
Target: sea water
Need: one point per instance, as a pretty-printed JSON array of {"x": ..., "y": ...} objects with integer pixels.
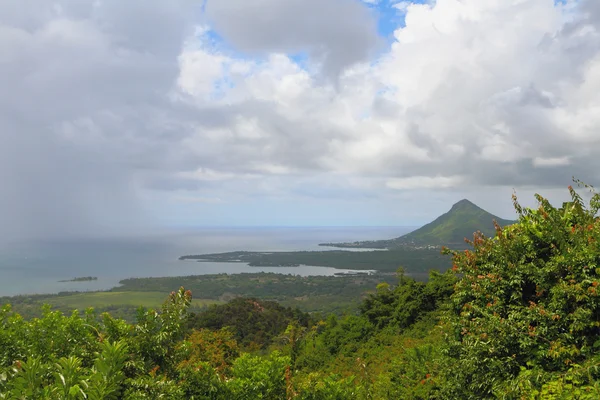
[{"x": 37, "y": 267}]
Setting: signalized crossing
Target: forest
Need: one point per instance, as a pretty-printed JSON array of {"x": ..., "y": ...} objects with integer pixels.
[{"x": 517, "y": 316}]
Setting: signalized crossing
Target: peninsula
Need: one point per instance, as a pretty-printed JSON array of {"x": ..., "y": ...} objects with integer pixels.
[{"x": 417, "y": 252}]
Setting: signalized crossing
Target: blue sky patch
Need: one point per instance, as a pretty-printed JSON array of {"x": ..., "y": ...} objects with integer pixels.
[{"x": 389, "y": 16}]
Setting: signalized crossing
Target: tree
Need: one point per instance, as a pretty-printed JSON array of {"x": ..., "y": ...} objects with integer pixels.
[{"x": 528, "y": 300}]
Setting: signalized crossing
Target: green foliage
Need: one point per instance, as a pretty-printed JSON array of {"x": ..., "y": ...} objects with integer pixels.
[
  {"x": 217, "y": 349},
  {"x": 388, "y": 353},
  {"x": 58, "y": 357},
  {"x": 252, "y": 321},
  {"x": 517, "y": 317},
  {"x": 310, "y": 294},
  {"x": 403, "y": 305},
  {"x": 317, "y": 386},
  {"x": 67, "y": 378},
  {"x": 119, "y": 304},
  {"x": 72, "y": 357},
  {"x": 259, "y": 378},
  {"x": 53, "y": 334},
  {"x": 578, "y": 382},
  {"x": 415, "y": 370},
  {"x": 527, "y": 298},
  {"x": 156, "y": 358},
  {"x": 345, "y": 335}
]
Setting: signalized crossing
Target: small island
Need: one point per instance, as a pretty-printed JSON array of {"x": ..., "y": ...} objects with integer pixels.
[{"x": 81, "y": 279}]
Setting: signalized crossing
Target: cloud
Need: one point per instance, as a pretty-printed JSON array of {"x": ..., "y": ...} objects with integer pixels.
[
  {"x": 424, "y": 182},
  {"x": 551, "y": 162},
  {"x": 201, "y": 200},
  {"x": 485, "y": 91},
  {"x": 468, "y": 99},
  {"x": 335, "y": 33},
  {"x": 112, "y": 111},
  {"x": 81, "y": 111},
  {"x": 402, "y": 6}
]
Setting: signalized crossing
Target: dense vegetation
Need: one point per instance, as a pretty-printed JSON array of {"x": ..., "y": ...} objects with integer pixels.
[
  {"x": 525, "y": 317},
  {"x": 253, "y": 323},
  {"x": 414, "y": 260},
  {"x": 516, "y": 317},
  {"x": 310, "y": 293},
  {"x": 449, "y": 229},
  {"x": 316, "y": 293}
]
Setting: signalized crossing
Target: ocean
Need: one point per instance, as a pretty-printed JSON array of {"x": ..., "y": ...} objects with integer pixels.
[{"x": 37, "y": 267}]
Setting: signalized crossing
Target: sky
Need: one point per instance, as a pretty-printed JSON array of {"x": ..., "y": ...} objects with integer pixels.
[{"x": 127, "y": 116}]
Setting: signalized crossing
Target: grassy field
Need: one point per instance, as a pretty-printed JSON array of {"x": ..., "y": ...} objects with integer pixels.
[
  {"x": 327, "y": 294},
  {"x": 82, "y": 301}
]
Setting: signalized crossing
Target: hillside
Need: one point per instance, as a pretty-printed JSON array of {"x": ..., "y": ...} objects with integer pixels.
[
  {"x": 451, "y": 228},
  {"x": 463, "y": 219}
]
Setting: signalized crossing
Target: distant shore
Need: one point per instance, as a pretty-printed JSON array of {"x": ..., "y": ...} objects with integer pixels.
[
  {"x": 413, "y": 259},
  {"x": 81, "y": 279}
]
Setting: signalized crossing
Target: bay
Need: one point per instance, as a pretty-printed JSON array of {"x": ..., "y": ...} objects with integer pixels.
[{"x": 37, "y": 267}]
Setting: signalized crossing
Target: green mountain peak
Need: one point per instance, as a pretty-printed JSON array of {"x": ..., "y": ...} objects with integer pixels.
[
  {"x": 463, "y": 203},
  {"x": 451, "y": 228}
]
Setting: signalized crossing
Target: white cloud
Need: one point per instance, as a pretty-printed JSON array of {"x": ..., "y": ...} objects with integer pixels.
[
  {"x": 424, "y": 182},
  {"x": 200, "y": 69},
  {"x": 204, "y": 174},
  {"x": 196, "y": 200},
  {"x": 402, "y": 6},
  {"x": 551, "y": 162}
]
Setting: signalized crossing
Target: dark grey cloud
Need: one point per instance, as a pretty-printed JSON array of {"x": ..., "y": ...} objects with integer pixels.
[
  {"x": 592, "y": 10},
  {"x": 52, "y": 189},
  {"x": 156, "y": 27},
  {"x": 336, "y": 33}
]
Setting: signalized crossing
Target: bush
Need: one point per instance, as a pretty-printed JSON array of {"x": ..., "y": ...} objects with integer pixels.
[{"x": 528, "y": 299}]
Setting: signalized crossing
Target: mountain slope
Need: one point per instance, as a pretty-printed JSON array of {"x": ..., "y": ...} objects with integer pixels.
[
  {"x": 451, "y": 228},
  {"x": 463, "y": 219}
]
